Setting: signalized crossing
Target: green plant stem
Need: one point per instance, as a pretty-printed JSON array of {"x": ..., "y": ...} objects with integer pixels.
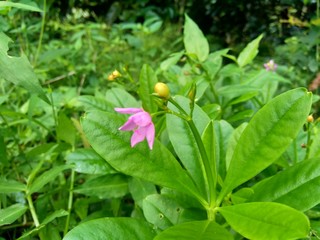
[
  {"x": 70, "y": 201},
  {"x": 41, "y": 33},
  {"x": 205, "y": 162},
  {"x": 33, "y": 211},
  {"x": 309, "y": 140}
]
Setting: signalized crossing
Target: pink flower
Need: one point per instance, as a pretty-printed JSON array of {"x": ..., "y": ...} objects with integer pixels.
[
  {"x": 140, "y": 123},
  {"x": 270, "y": 66}
]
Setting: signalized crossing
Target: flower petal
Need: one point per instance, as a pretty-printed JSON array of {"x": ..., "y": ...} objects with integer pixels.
[
  {"x": 128, "y": 110},
  {"x": 128, "y": 126},
  {"x": 150, "y": 135},
  {"x": 138, "y": 136},
  {"x": 142, "y": 119}
]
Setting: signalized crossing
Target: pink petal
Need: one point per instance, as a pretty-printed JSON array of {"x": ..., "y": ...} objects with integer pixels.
[
  {"x": 138, "y": 136},
  {"x": 129, "y": 125},
  {"x": 128, "y": 110},
  {"x": 141, "y": 119},
  {"x": 150, "y": 135}
]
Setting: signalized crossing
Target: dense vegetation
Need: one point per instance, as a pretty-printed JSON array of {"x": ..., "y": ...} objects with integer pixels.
[{"x": 232, "y": 137}]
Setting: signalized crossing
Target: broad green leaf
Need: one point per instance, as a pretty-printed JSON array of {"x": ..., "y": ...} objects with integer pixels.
[
  {"x": 121, "y": 98},
  {"x": 11, "y": 186},
  {"x": 232, "y": 143},
  {"x": 296, "y": 186},
  {"x": 161, "y": 211},
  {"x": 46, "y": 177},
  {"x": 147, "y": 80},
  {"x": 198, "y": 230},
  {"x": 112, "y": 228},
  {"x": 249, "y": 52},
  {"x": 140, "y": 189},
  {"x": 20, "y": 6},
  {"x": 88, "y": 161},
  {"x": 267, "y": 136},
  {"x": 18, "y": 70},
  {"x": 10, "y": 214},
  {"x": 236, "y": 90},
  {"x": 194, "y": 40},
  {"x": 265, "y": 221},
  {"x": 184, "y": 141},
  {"x": 156, "y": 166},
  {"x": 108, "y": 186}
]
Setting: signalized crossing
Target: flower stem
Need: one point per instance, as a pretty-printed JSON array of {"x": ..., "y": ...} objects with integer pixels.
[
  {"x": 70, "y": 201},
  {"x": 205, "y": 162},
  {"x": 41, "y": 33},
  {"x": 33, "y": 211}
]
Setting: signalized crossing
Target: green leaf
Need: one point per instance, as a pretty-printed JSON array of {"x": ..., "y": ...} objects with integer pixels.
[
  {"x": 108, "y": 186},
  {"x": 140, "y": 189},
  {"x": 65, "y": 129},
  {"x": 223, "y": 132},
  {"x": 172, "y": 60},
  {"x": 94, "y": 103},
  {"x": 184, "y": 142},
  {"x": 121, "y": 98},
  {"x": 198, "y": 230},
  {"x": 297, "y": 186},
  {"x": 89, "y": 162},
  {"x": 249, "y": 52},
  {"x": 156, "y": 166},
  {"x": 213, "y": 63},
  {"x": 10, "y": 214},
  {"x": 267, "y": 136},
  {"x": 209, "y": 142},
  {"x": 20, "y": 6},
  {"x": 54, "y": 215},
  {"x": 161, "y": 211},
  {"x": 194, "y": 40},
  {"x": 46, "y": 177},
  {"x": 265, "y": 221},
  {"x": 147, "y": 82},
  {"x": 112, "y": 228},
  {"x": 11, "y": 186},
  {"x": 18, "y": 70}
]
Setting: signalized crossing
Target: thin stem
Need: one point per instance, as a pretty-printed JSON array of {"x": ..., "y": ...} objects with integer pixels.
[
  {"x": 53, "y": 109},
  {"x": 309, "y": 140},
  {"x": 41, "y": 33},
  {"x": 70, "y": 201},
  {"x": 205, "y": 162},
  {"x": 33, "y": 211}
]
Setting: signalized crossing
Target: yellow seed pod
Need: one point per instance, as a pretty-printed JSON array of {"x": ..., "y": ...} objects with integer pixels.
[
  {"x": 162, "y": 90},
  {"x": 310, "y": 119}
]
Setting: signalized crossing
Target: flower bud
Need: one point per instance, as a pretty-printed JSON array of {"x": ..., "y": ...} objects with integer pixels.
[
  {"x": 116, "y": 74},
  {"x": 162, "y": 90},
  {"x": 310, "y": 119},
  {"x": 192, "y": 92},
  {"x": 111, "y": 77}
]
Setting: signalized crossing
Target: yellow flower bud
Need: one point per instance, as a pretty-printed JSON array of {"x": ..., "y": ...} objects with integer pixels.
[
  {"x": 116, "y": 74},
  {"x": 162, "y": 90},
  {"x": 111, "y": 77},
  {"x": 310, "y": 119}
]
